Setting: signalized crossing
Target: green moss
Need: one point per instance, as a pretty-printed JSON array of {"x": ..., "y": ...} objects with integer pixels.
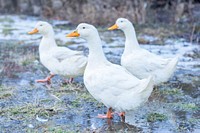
[
  {"x": 6, "y": 19},
  {"x": 153, "y": 117},
  {"x": 7, "y": 31},
  {"x": 5, "y": 95},
  {"x": 58, "y": 130},
  {"x": 190, "y": 106},
  {"x": 174, "y": 91},
  {"x": 28, "y": 111},
  {"x": 5, "y": 92},
  {"x": 26, "y": 62},
  {"x": 76, "y": 103},
  {"x": 31, "y": 131},
  {"x": 45, "y": 100},
  {"x": 194, "y": 120},
  {"x": 87, "y": 97},
  {"x": 185, "y": 106}
]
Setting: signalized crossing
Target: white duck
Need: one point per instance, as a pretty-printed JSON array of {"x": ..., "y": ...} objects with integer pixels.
[
  {"x": 141, "y": 62},
  {"x": 109, "y": 83},
  {"x": 58, "y": 60}
]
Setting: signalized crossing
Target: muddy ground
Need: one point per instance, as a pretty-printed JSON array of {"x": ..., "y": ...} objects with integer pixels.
[{"x": 27, "y": 106}]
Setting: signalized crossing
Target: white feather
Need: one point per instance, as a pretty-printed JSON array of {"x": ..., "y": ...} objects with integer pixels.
[
  {"x": 141, "y": 62},
  {"x": 109, "y": 83},
  {"x": 59, "y": 60}
]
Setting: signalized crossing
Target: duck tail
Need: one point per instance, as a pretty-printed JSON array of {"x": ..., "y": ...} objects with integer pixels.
[
  {"x": 147, "y": 85},
  {"x": 148, "y": 88},
  {"x": 171, "y": 67}
]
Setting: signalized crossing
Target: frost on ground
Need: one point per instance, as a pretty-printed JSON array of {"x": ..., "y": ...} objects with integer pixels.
[{"x": 26, "y": 106}]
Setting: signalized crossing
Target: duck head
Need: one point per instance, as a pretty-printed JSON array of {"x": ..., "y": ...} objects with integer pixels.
[
  {"x": 42, "y": 27},
  {"x": 121, "y": 23},
  {"x": 84, "y": 31}
]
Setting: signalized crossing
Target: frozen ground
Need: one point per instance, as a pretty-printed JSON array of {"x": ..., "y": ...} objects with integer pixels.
[{"x": 26, "y": 106}]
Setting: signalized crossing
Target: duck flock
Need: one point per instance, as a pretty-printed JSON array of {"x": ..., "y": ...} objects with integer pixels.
[{"x": 122, "y": 87}]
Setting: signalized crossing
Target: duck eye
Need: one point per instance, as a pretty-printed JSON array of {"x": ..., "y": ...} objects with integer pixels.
[
  {"x": 83, "y": 27},
  {"x": 121, "y": 21},
  {"x": 41, "y": 25}
]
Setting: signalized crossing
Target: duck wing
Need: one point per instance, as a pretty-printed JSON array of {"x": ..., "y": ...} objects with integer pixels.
[
  {"x": 116, "y": 87},
  {"x": 62, "y": 53},
  {"x": 153, "y": 62}
]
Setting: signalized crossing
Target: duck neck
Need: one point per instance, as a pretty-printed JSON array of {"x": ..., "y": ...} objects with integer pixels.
[
  {"x": 47, "y": 42},
  {"x": 131, "y": 42},
  {"x": 96, "y": 55}
]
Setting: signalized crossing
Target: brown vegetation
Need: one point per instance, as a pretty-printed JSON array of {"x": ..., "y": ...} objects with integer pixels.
[{"x": 102, "y": 12}]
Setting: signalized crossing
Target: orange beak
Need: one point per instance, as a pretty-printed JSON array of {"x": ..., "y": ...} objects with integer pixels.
[
  {"x": 35, "y": 30},
  {"x": 114, "y": 27},
  {"x": 73, "y": 34}
]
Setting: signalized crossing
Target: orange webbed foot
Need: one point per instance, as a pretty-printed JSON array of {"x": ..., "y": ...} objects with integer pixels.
[
  {"x": 122, "y": 115},
  {"x": 108, "y": 115},
  {"x": 46, "y": 80}
]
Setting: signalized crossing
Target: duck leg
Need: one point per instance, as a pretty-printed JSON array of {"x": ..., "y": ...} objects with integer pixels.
[
  {"x": 46, "y": 80},
  {"x": 122, "y": 115},
  {"x": 108, "y": 114},
  {"x": 71, "y": 80},
  {"x": 68, "y": 81}
]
